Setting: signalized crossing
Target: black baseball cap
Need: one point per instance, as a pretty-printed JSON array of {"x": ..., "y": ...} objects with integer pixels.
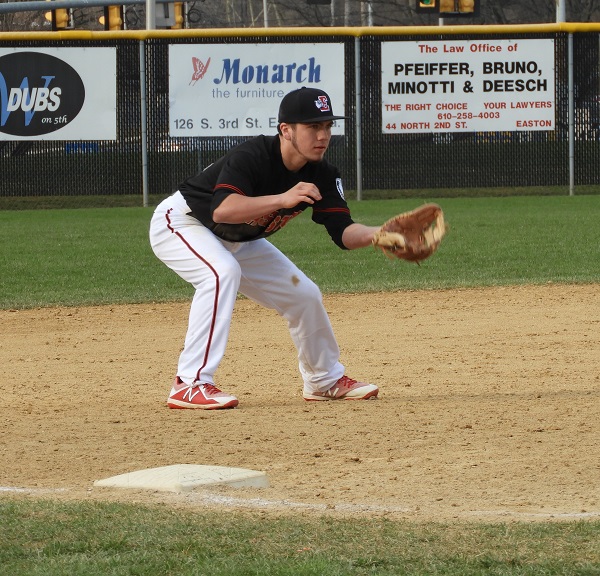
[{"x": 306, "y": 105}]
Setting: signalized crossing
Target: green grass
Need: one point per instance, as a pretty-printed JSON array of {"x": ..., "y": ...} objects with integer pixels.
[
  {"x": 102, "y": 255},
  {"x": 94, "y": 256},
  {"x": 92, "y": 539},
  {"x": 136, "y": 200}
]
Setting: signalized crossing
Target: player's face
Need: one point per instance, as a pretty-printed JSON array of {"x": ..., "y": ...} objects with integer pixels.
[{"x": 310, "y": 141}]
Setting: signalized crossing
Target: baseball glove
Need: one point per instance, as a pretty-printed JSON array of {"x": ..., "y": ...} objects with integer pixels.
[{"x": 412, "y": 236}]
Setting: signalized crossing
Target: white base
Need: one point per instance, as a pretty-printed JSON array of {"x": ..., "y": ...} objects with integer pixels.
[{"x": 186, "y": 477}]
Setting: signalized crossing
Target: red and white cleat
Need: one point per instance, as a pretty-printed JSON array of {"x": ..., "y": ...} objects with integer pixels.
[
  {"x": 199, "y": 395},
  {"x": 345, "y": 389}
]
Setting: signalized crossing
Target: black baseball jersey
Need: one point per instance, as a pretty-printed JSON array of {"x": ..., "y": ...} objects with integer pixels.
[{"x": 256, "y": 168}]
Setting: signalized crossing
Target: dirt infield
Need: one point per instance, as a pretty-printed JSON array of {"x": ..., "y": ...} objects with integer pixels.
[{"x": 489, "y": 405}]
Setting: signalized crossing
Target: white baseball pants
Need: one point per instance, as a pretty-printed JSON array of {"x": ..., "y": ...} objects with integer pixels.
[{"x": 218, "y": 270}]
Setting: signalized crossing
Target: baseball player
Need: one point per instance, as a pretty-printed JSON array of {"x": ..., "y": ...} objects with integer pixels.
[{"x": 212, "y": 232}]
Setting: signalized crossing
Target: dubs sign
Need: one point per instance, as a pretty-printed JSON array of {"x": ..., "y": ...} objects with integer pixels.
[
  {"x": 39, "y": 94},
  {"x": 231, "y": 90},
  {"x": 42, "y": 96}
]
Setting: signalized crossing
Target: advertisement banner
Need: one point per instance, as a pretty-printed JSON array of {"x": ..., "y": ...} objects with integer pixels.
[
  {"x": 467, "y": 86},
  {"x": 235, "y": 90},
  {"x": 58, "y": 94}
]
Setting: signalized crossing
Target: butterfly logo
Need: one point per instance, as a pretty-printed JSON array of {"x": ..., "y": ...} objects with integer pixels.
[{"x": 200, "y": 69}]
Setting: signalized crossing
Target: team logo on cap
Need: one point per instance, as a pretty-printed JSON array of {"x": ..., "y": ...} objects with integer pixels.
[{"x": 322, "y": 104}]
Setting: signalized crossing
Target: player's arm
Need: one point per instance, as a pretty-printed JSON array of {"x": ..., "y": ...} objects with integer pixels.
[
  {"x": 237, "y": 208},
  {"x": 358, "y": 235},
  {"x": 334, "y": 214}
]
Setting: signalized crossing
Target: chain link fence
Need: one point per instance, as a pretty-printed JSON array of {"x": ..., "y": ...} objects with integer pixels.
[{"x": 37, "y": 173}]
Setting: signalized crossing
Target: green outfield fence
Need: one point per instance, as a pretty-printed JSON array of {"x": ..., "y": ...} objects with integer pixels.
[{"x": 74, "y": 173}]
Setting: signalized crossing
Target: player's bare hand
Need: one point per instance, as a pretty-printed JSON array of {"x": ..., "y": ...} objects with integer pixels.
[{"x": 301, "y": 192}]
